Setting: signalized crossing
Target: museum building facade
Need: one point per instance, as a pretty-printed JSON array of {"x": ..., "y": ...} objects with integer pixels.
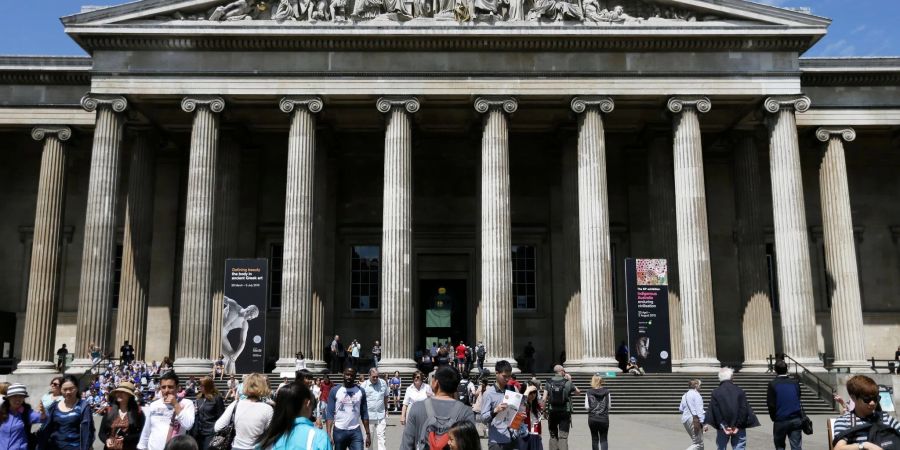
[{"x": 494, "y": 161}]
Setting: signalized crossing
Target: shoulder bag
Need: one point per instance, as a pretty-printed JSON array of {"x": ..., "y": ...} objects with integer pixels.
[{"x": 225, "y": 437}]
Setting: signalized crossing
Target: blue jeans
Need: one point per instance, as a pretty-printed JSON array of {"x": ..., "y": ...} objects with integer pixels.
[
  {"x": 348, "y": 439},
  {"x": 738, "y": 441}
]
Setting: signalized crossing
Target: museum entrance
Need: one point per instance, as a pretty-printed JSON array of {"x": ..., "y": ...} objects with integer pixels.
[{"x": 442, "y": 312}]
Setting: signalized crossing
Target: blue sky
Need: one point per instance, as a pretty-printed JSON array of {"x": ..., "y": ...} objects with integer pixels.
[{"x": 860, "y": 27}]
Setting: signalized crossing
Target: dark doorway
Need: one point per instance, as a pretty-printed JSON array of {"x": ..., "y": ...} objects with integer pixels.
[{"x": 442, "y": 312}]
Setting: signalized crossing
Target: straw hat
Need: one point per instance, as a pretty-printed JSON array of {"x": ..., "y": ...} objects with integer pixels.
[
  {"x": 125, "y": 387},
  {"x": 17, "y": 389}
]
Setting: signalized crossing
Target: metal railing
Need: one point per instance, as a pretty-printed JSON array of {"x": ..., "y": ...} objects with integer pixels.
[
  {"x": 822, "y": 388},
  {"x": 890, "y": 365}
]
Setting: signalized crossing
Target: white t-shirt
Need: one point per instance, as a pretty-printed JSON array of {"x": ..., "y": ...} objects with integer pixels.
[
  {"x": 414, "y": 395},
  {"x": 250, "y": 422},
  {"x": 159, "y": 417}
]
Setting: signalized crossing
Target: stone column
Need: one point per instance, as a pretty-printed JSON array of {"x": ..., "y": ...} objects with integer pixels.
[
  {"x": 795, "y": 294},
  {"x": 46, "y": 252},
  {"x": 698, "y": 320},
  {"x": 396, "y": 236},
  {"x": 297, "y": 263},
  {"x": 840, "y": 251},
  {"x": 194, "y": 329},
  {"x": 226, "y": 231},
  {"x": 496, "y": 246},
  {"x": 134, "y": 287},
  {"x": 593, "y": 231},
  {"x": 663, "y": 233},
  {"x": 758, "y": 332},
  {"x": 574, "y": 341},
  {"x": 99, "y": 255}
]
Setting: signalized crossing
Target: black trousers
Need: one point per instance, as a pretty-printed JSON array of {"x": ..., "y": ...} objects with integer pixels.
[
  {"x": 559, "y": 424},
  {"x": 599, "y": 431},
  {"x": 792, "y": 429}
]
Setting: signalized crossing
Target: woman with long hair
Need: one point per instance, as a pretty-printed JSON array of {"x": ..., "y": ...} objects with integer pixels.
[
  {"x": 478, "y": 401},
  {"x": 70, "y": 422},
  {"x": 16, "y": 418},
  {"x": 597, "y": 401},
  {"x": 251, "y": 415},
  {"x": 291, "y": 427},
  {"x": 54, "y": 394},
  {"x": 464, "y": 436},
  {"x": 531, "y": 438},
  {"x": 416, "y": 392},
  {"x": 121, "y": 427},
  {"x": 208, "y": 407}
]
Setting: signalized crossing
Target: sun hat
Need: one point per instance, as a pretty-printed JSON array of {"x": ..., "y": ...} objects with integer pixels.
[
  {"x": 125, "y": 387},
  {"x": 17, "y": 389}
]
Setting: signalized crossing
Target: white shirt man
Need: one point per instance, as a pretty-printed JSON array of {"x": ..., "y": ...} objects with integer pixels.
[
  {"x": 160, "y": 425},
  {"x": 376, "y": 402}
]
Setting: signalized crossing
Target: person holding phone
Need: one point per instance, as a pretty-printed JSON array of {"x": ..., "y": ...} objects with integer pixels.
[{"x": 168, "y": 416}]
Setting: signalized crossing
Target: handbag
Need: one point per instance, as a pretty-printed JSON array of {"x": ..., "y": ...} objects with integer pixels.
[
  {"x": 225, "y": 437},
  {"x": 805, "y": 423}
]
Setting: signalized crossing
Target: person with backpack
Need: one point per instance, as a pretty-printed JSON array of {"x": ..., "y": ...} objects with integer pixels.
[
  {"x": 16, "y": 418},
  {"x": 559, "y": 398},
  {"x": 428, "y": 422},
  {"x": 480, "y": 354},
  {"x": 464, "y": 391},
  {"x": 597, "y": 402},
  {"x": 864, "y": 427},
  {"x": 785, "y": 409}
]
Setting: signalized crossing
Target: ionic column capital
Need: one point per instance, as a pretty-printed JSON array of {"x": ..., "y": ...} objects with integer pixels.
[
  {"x": 215, "y": 103},
  {"x": 677, "y": 104},
  {"x": 800, "y": 103},
  {"x": 90, "y": 102},
  {"x": 385, "y": 104},
  {"x": 509, "y": 105},
  {"x": 846, "y": 134},
  {"x": 580, "y": 104},
  {"x": 40, "y": 133},
  {"x": 313, "y": 103}
]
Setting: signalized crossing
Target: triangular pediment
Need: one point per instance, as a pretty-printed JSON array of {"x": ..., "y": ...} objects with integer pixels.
[{"x": 629, "y": 13}]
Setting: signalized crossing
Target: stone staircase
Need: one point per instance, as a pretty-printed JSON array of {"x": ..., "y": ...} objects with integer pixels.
[{"x": 654, "y": 393}]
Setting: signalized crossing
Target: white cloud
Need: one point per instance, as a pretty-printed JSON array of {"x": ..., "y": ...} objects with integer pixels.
[{"x": 839, "y": 48}]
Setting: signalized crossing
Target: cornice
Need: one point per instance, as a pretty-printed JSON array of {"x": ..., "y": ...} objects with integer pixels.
[
  {"x": 59, "y": 70},
  {"x": 878, "y": 71}
]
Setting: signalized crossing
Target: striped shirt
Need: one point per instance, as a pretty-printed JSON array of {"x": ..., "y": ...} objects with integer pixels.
[{"x": 850, "y": 420}]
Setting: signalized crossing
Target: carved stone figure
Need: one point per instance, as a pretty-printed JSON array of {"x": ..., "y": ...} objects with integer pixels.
[
  {"x": 293, "y": 10},
  {"x": 557, "y": 10},
  {"x": 368, "y": 9},
  {"x": 490, "y": 7},
  {"x": 516, "y": 11},
  {"x": 338, "y": 9},
  {"x": 617, "y": 15},
  {"x": 238, "y": 10}
]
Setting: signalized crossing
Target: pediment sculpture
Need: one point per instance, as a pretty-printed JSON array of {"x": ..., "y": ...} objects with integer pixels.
[{"x": 545, "y": 11}]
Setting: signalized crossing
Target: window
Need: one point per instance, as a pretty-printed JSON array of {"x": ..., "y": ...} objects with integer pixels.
[
  {"x": 365, "y": 276},
  {"x": 524, "y": 279},
  {"x": 276, "y": 252},
  {"x": 117, "y": 276},
  {"x": 773, "y": 277}
]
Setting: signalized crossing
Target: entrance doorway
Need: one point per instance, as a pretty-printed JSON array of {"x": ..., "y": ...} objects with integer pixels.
[{"x": 442, "y": 312}]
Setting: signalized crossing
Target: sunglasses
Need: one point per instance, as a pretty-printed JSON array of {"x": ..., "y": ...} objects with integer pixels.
[
  {"x": 867, "y": 399},
  {"x": 54, "y": 384}
]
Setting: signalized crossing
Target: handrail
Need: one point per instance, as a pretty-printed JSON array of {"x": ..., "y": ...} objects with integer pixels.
[
  {"x": 809, "y": 374},
  {"x": 106, "y": 357},
  {"x": 890, "y": 364}
]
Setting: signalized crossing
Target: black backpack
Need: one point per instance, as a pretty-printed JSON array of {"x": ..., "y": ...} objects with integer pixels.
[
  {"x": 878, "y": 433},
  {"x": 558, "y": 396},
  {"x": 462, "y": 392},
  {"x": 480, "y": 352}
]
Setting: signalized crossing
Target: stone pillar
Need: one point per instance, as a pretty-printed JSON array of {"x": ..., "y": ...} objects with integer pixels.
[
  {"x": 593, "y": 231},
  {"x": 795, "y": 294},
  {"x": 574, "y": 341},
  {"x": 496, "y": 246},
  {"x": 194, "y": 327},
  {"x": 698, "y": 320},
  {"x": 758, "y": 331},
  {"x": 46, "y": 252},
  {"x": 663, "y": 233},
  {"x": 840, "y": 251},
  {"x": 226, "y": 232},
  {"x": 299, "y": 218},
  {"x": 134, "y": 287},
  {"x": 99, "y": 255},
  {"x": 396, "y": 236}
]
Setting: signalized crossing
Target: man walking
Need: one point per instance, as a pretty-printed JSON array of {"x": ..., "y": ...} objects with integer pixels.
[
  {"x": 500, "y": 436},
  {"x": 730, "y": 413},
  {"x": 559, "y": 399},
  {"x": 376, "y": 391},
  {"x": 61, "y": 355},
  {"x": 167, "y": 417},
  {"x": 345, "y": 412},
  {"x": 692, "y": 414},
  {"x": 480, "y": 353},
  {"x": 127, "y": 351},
  {"x": 785, "y": 409},
  {"x": 337, "y": 355},
  {"x": 429, "y": 421}
]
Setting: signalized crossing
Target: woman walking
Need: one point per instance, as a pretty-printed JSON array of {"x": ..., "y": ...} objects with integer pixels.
[
  {"x": 394, "y": 384},
  {"x": 291, "y": 427},
  {"x": 416, "y": 392},
  {"x": 251, "y": 415},
  {"x": 208, "y": 407},
  {"x": 597, "y": 401},
  {"x": 692, "y": 415},
  {"x": 16, "y": 418},
  {"x": 54, "y": 394},
  {"x": 530, "y": 438},
  {"x": 121, "y": 427},
  {"x": 70, "y": 424}
]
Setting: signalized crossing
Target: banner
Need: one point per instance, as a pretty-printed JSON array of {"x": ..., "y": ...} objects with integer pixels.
[
  {"x": 243, "y": 321},
  {"x": 647, "y": 295}
]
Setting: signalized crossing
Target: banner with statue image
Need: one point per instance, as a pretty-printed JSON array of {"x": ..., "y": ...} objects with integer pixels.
[
  {"x": 647, "y": 297},
  {"x": 243, "y": 319}
]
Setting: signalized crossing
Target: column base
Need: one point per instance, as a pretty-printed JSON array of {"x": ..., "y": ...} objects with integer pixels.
[
  {"x": 755, "y": 366},
  {"x": 698, "y": 365},
  {"x": 572, "y": 365},
  {"x": 285, "y": 365},
  {"x": 597, "y": 365},
  {"x": 29, "y": 367},
  {"x": 490, "y": 363},
  {"x": 813, "y": 364},
  {"x": 193, "y": 365},
  {"x": 851, "y": 366},
  {"x": 80, "y": 365},
  {"x": 316, "y": 365},
  {"x": 402, "y": 365}
]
